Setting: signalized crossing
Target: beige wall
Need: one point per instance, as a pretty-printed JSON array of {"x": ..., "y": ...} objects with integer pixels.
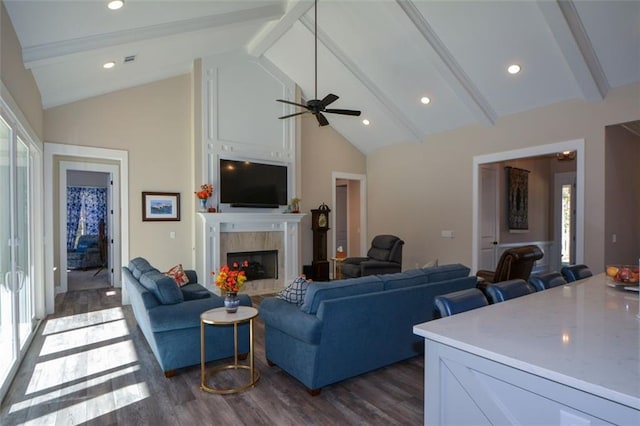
[
  {"x": 622, "y": 196},
  {"x": 416, "y": 190},
  {"x": 323, "y": 151},
  {"x": 18, "y": 80},
  {"x": 153, "y": 123}
]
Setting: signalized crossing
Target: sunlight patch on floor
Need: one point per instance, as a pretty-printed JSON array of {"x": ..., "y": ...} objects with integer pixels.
[
  {"x": 47, "y": 397},
  {"x": 61, "y": 370},
  {"x": 80, "y": 337},
  {"x": 57, "y": 325},
  {"x": 102, "y": 404}
]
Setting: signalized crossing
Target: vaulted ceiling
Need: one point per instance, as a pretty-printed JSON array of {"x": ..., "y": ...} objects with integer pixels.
[{"x": 379, "y": 56}]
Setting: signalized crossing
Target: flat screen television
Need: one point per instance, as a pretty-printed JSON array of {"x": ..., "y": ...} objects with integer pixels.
[{"x": 252, "y": 184}]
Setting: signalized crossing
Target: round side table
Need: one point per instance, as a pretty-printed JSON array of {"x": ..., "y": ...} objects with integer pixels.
[{"x": 220, "y": 316}]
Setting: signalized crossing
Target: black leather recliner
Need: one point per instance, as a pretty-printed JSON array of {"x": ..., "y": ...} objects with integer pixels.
[
  {"x": 515, "y": 263},
  {"x": 384, "y": 257}
]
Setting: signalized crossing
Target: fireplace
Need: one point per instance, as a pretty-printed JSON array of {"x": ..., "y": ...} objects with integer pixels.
[
  {"x": 260, "y": 264},
  {"x": 222, "y": 233}
]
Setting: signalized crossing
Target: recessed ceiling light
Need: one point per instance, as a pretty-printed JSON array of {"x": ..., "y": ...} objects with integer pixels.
[
  {"x": 366, "y": 122},
  {"x": 425, "y": 100},
  {"x": 115, "y": 4},
  {"x": 108, "y": 65},
  {"x": 514, "y": 69}
]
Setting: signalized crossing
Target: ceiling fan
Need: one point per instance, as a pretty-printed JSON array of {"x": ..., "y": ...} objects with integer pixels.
[{"x": 319, "y": 106}]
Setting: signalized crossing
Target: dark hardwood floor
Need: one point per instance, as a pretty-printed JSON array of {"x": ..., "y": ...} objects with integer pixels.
[{"x": 90, "y": 364}]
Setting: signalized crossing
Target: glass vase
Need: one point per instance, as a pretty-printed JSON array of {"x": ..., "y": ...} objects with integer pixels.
[
  {"x": 203, "y": 205},
  {"x": 231, "y": 302}
]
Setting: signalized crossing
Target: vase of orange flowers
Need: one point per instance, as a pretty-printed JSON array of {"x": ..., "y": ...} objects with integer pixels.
[
  {"x": 203, "y": 195},
  {"x": 231, "y": 280}
]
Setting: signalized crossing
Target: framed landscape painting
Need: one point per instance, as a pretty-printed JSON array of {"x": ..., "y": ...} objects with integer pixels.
[{"x": 160, "y": 206}]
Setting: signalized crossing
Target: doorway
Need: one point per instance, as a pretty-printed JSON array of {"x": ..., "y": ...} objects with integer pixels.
[
  {"x": 88, "y": 159},
  {"x": 88, "y": 225},
  {"x": 349, "y": 214},
  {"x": 542, "y": 150},
  {"x": 564, "y": 219}
]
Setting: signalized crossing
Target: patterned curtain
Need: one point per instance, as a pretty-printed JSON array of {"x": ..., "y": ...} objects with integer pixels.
[{"x": 86, "y": 206}]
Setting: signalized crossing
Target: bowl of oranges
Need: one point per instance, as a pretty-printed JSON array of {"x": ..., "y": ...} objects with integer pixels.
[{"x": 623, "y": 274}]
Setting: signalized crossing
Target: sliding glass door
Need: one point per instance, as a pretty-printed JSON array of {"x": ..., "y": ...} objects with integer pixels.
[
  {"x": 8, "y": 352},
  {"x": 16, "y": 254}
]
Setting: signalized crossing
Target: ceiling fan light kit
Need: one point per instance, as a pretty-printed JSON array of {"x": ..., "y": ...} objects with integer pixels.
[{"x": 318, "y": 106}]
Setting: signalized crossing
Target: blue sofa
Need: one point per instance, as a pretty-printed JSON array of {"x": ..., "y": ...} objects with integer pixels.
[
  {"x": 348, "y": 327},
  {"x": 169, "y": 317}
]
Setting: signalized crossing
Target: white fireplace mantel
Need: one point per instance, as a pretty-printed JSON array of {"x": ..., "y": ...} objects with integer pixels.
[{"x": 211, "y": 225}]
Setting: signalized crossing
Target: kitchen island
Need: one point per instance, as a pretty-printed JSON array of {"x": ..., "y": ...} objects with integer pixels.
[{"x": 567, "y": 355}]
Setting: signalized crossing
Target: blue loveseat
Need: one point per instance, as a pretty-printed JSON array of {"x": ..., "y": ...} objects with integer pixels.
[
  {"x": 169, "y": 317},
  {"x": 349, "y": 327}
]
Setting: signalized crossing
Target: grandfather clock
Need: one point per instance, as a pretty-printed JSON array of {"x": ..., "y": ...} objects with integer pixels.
[{"x": 320, "y": 226}]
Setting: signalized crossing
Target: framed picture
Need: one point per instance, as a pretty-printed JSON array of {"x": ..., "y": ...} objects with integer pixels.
[
  {"x": 517, "y": 199},
  {"x": 160, "y": 206}
]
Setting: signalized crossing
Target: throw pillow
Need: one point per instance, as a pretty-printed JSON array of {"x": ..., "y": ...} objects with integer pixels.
[
  {"x": 178, "y": 275},
  {"x": 295, "y": 292}
]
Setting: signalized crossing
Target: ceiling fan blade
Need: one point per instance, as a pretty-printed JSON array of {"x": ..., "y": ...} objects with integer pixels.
[
  {"x": 291, "y": 103},
  {"x": 343, "y": 111},
  {"x": 293, "y": 115},
  {"x": 322, "y": 120},
  {"x": 329, "y": 99}
]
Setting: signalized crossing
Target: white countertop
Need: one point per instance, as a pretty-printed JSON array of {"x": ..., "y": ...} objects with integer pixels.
[{"x": 585, "y": 335}]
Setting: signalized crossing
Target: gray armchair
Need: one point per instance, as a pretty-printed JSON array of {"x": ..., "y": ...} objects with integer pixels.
[{"x": 384, "y": 257}]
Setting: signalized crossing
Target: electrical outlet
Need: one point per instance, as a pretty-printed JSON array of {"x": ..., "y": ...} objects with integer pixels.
[
  {"x": 172, "y": 235},
  {"x": 614, "y": 238},
  {"x": 446, "y": 234}
]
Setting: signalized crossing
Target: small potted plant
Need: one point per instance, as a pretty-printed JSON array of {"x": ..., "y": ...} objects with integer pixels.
[
  {"x": 231, "y": 280},
  {"x": 203, "y": 195}
]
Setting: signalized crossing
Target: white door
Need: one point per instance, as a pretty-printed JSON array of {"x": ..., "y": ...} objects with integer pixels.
[
  {"x": 489, "y": 219},
  {"x": 17, "y": 321}
]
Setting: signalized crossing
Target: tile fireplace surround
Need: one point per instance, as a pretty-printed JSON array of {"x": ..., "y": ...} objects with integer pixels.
[{"x": 219, "y": 233}]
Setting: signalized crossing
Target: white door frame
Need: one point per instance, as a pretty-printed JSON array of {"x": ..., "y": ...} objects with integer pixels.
[
  {"x": 335, "y": 176},
  {"x": 112, "y": 220},
  {"x": 534, "y": 151},
  {"x": 83, "y": 153}
]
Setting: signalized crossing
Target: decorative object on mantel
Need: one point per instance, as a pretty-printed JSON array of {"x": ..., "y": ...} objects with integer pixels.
[
  {"x": 517, "y": 199},
  {"x": 160, "y": 206},
  {"x": 206, "y": 190},
  {"x": 295, "y": 205},
  {"x": 231, "y": 281},
  {"x": 316, "y": 106}
]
